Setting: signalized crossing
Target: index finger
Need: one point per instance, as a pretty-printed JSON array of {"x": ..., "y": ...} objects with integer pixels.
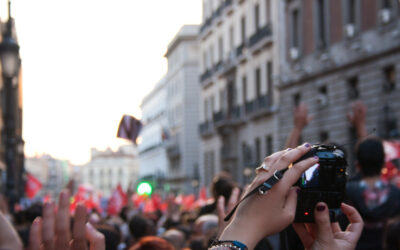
[
  {"x": 63, "y": 222},
  {"x": 79, "y": 228}
]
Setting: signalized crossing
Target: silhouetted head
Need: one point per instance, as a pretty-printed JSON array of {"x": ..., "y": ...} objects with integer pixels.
[
  {"x": 140, "y": 226},
  {"x": 370, "y": 157}
]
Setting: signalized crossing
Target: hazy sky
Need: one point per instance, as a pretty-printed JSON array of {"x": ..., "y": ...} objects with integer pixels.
[{"x": 88, "y": 62}]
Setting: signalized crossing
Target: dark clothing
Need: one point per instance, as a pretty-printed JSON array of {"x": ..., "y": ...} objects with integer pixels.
[{"x": 376, "y": 205}]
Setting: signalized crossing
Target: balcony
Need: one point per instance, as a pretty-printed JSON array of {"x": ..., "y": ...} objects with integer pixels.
[
  {"x": 206, "y": 75},
  {"x": 239, "y": 50},
  {"x": 206, "y": 128},
  {"x": 260, "y": 35},
  {"x": 172, "y": 147},
  {"x": 259, "y": 107},
  {"x": 228, "y": 118}
]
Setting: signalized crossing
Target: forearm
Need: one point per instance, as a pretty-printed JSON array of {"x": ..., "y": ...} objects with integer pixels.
[{"x": 294, "y": 138}]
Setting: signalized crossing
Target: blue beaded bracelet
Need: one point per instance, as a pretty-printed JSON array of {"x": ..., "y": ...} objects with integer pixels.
[{"x": 233, "y": 244}]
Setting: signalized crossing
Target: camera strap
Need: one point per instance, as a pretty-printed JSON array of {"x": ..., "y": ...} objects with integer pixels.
[{"x": 261, "y": 189}]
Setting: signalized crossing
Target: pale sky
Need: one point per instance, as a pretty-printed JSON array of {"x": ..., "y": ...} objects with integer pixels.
[{"x": 88, "y": 62}]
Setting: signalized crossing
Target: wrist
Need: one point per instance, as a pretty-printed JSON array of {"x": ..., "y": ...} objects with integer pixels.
[{"x": 241, "y": 234}]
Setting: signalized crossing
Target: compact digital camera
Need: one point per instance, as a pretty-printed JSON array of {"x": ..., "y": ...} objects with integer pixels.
[{"x": 325, "y": 181}]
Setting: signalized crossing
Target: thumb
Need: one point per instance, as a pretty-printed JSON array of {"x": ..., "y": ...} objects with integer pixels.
[
  {"x": 95, "y": 238},
  {"x": 324, "y": 229}
]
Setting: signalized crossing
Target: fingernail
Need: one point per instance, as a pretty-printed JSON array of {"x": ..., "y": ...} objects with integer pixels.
[
  {"x": 297, "y": 190},
  {"x": 288, "y": 149},
  {"x": 320, "y": 208},
  {"x": 316, "y": 157},
  {"x": 307, "y": 145},
  {"x": 37, "y": 220}
]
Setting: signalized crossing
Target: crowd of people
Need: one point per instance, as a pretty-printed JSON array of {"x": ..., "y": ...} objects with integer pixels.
[{"x": 262, "y": 221}]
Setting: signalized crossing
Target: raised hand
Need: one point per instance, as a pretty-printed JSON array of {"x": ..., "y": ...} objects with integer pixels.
[
  {"x": 224, "y": 210},
  {"x": 53, "y": 230}
]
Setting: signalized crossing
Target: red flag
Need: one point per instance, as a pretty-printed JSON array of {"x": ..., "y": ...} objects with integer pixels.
[
  {"x": 117, "y": 201},
  {"x": 392, "y": 160},
  {"x": 129, "y": 128},
  {"x": 32, "y": 186}
]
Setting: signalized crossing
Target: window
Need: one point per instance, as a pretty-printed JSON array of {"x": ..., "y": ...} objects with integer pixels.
[
  {"x": 212, "y": 104},
  {"x": 389, "y": 82},
  {"x": 268, "y": 145},
  {"x": 268, "y": 11},
  {"x": 323, "y": 136},
  {"x": 387, "y": 4},
  {"x": 258, "y": 150},
  {"x": 269, "y": 82},
  {"x": 295, "y": 34},
  {"x": 205, "y": 109},
  {"x": 244, "y": 89},
  {"x": 220, "y": 49},
  {"x": 211, "y": 56},
  {"x": 296, "y": 99},
  {"x": 231, "y": 37},
  {"x": 322, "y": 99},
  {"x": 257, "y": 17},
  {"x": 205, "y": 61},
  {"x": 258, "y": 82},
  {"x": 352, "y": 85},
  {"x": 351, "y": 12},
  {"x": 243, "y": 29},
  {"x": 321, "y": 25}
]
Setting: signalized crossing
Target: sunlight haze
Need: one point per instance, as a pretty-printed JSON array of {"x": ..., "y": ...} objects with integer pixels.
[{"x": 88, "y": 62}]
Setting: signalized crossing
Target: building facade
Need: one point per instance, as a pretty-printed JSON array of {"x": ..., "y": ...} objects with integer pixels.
[
  {"x": 240, "y": 46},
  {"x": 52, "y": 173},
  {"x": 108, "y": 169},
  {"x": 153, "y": 157},
  {"x": 338, "y": 52},
  {"x": 182, "y": 83},
  {"x": 261, "y": 58}
]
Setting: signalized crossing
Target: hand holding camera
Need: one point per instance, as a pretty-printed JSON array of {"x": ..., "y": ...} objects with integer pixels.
[{"x": 260, "y": 215}]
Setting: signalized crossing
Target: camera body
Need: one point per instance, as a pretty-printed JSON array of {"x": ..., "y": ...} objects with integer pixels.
[{"x": 325, "y": 181}]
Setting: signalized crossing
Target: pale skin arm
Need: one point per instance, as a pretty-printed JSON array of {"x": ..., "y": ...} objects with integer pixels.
[
  {"x": 263, "y": 215},
  {"x": 358, "y": 118},
  {"x": 300, "y": 120}
]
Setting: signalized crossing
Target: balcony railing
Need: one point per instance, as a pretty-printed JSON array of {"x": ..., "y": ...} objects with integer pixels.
[
  {"x": 249, "y": 107},
  {"x": 206, "y": 128},
  {"x": 260, "y": 34},
  {"x": 206, "y": 75},
  {"x": 239, "y": 50},
  {"x": 172, "y": 146}
]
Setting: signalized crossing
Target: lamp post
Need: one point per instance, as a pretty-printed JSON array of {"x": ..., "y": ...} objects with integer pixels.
[{"x": 10, "y": 64}]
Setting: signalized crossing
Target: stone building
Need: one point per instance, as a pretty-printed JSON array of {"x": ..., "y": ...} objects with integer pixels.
[
  {"x": 261, "y": 58},
  {"x": 239, "y": 43},
  {"x": 109, "y": 168},
  {"x": 153, "y": 160},
  {"x": 182, "y": 83},
  {"x": 338, "y": 52},
  {"x": 52, "y": 173}
]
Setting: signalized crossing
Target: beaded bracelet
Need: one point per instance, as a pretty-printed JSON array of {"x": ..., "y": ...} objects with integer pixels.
[{"x": 237, "y": 245}]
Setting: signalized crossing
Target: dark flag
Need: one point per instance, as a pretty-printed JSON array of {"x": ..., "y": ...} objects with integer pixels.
[{"x": 129, "y": 128}]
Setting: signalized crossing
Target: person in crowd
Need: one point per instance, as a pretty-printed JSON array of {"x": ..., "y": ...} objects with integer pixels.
[
  {"x": 375, "y": 199},
  {"x": 392, "y": 232},
  {"x": 261, "y": 215},
  {"x": 140, "y": 227},
  {"x": 222, "y": 185},
  {"x": 152, "y": 243},
  {"x": 175, "y": 237}
]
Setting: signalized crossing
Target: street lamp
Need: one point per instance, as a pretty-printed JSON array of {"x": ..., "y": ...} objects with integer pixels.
[{"x": 10, "y": 64}]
